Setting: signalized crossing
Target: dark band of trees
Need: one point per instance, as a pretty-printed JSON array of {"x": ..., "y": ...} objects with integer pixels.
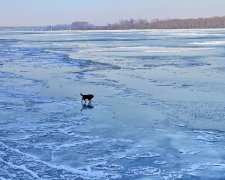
[{"x": 200, "y": 23}]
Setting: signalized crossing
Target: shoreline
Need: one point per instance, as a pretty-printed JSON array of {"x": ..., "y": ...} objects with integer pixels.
[{"x": 122, "y": 30}]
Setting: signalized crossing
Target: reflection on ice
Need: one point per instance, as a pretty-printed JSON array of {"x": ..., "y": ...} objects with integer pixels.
[{"x": 89, "y": 105}]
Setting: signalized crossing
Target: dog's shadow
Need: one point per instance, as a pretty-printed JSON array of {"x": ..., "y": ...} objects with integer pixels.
[{"x": 88, "y": 105}]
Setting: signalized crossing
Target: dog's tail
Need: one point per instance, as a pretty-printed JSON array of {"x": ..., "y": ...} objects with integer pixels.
[{"x": 81, "y": 94}]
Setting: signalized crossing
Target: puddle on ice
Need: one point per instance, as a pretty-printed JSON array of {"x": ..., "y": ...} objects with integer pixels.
[{"x": 158, "y": 112}]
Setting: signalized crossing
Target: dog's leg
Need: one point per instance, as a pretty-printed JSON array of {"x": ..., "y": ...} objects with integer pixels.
[{"x": 83, "y": 102}]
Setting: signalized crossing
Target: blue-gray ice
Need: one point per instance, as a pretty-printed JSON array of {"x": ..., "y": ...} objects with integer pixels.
[{"x": 159, "y": 105}]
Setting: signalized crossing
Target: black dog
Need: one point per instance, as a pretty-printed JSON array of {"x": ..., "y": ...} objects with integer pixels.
[{"x": 86, "y": 97}]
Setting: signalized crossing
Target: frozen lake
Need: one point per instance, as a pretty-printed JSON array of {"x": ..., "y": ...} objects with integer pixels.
[{"x": 159, "y": 105}]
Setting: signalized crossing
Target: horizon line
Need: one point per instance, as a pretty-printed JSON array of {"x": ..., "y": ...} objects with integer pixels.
[{"x": 152, "y": 20}]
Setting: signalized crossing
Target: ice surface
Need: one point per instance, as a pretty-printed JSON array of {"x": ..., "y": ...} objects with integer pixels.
[
  {"x": 209, "y": 43},
  {"x": 158, "y": 111}
]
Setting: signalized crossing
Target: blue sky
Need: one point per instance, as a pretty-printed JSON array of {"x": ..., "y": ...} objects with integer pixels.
[{"x": 100, "y": 12}]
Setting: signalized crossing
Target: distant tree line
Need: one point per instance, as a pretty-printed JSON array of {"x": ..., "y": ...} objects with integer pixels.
[{"x": 200, "y": 23}]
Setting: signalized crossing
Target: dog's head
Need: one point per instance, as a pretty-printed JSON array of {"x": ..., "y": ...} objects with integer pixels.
[{"x": 91, "y": 96}]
